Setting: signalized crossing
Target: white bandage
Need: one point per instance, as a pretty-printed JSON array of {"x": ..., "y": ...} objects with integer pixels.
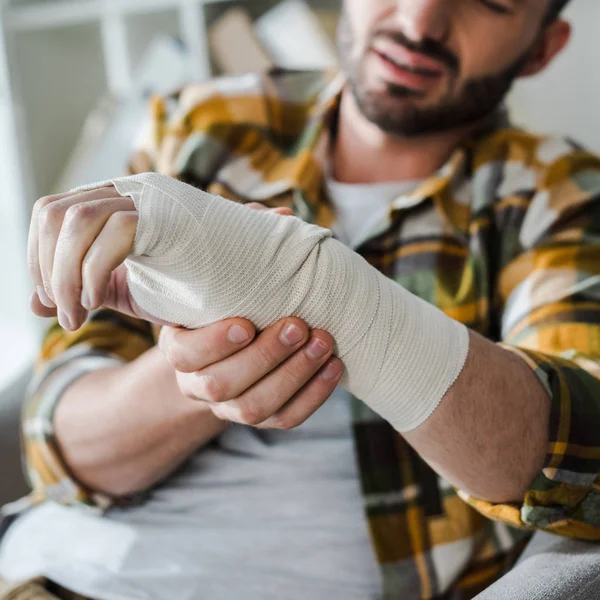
[{"x": 198, "y": 259}]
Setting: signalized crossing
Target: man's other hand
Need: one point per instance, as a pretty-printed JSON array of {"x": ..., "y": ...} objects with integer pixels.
[{"x": 273, "y": 380}]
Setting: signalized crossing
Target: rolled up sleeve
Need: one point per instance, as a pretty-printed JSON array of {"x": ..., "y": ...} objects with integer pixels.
[{"x": 107, "y": 340}]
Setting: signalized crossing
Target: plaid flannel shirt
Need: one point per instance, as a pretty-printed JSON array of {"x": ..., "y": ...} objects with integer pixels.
[{"x": 505, "y": 238}]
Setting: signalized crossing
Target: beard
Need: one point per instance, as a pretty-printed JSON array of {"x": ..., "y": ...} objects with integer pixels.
[{"x": 395, "y": 111}]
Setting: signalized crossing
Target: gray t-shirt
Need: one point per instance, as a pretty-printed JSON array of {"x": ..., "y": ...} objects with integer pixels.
[{"x": 260, "y": 515}]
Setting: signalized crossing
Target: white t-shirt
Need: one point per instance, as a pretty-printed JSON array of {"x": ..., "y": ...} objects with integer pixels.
[
  {"x": 260, "y": 515},
  {"x": 359, "y": 207}
]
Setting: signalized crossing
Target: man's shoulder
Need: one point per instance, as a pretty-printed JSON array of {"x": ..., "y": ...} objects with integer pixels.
[
  {"x": 542, "y": 178},
  {"x": 538, "y": 152}
]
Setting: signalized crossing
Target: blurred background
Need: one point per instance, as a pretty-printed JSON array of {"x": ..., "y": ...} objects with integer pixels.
[{"x": 75, "y": 76}]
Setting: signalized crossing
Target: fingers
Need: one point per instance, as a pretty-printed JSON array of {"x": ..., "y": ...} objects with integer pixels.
[
  {"x": 271, "y": 399},
  {"x": 264, "y": 399},
  {"x": 273, "y": 392},
  {"x": 33, "y": 258},
  {"x": 40, "y": 309},
  {"x": 190, "y": 351},
  {"x": 46, "y": 224},
  {"x": 231, "y": 377},
  {"x": 95, "y": 237},
  {"x": 307, "y": 400},
  {"x": 63, "y": 229},
  {"x": 108, "y": 251}
]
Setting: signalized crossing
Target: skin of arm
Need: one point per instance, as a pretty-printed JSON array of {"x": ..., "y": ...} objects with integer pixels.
[
  {"x": 489, "y": 434},
  {"x": 133, "y": 429}
]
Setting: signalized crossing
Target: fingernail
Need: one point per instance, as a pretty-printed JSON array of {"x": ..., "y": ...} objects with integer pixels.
[
  {"x": 63, "y": 319},
  {"x": 331, "y": 371},
  {"x": 237, "y": 334},
  {"x": 316, "y": 349},
  {"x": 44, "y": 298},
  {"x": 85, "y": 300},
  {"x": 291, "y": 335}
]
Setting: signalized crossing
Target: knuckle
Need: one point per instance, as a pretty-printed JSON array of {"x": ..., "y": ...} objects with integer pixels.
[
  {"x": 42, "y": 203},
  {"x": 81, "y": 212},
  {"x": 176, "y": 358},
  {"x": 183, "y": 383},
  {"x": 69, "y": 291},
  {"x": 250, "y": 415},
  {"x": 124, "y": 220},
  {"x": 211, "y": 389},
  {"x": 51, "y": 216}
]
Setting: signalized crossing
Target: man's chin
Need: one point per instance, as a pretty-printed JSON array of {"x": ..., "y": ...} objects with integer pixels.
[
  {"x": 381, "y": 88},
  {"x": 382, "y": 105},
  {"x": 398, "y": 98},
  {"x": 399, "y": 117}
]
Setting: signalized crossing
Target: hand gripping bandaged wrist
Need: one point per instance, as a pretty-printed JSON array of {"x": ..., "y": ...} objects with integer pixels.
[{"x": 198, "y": 259}]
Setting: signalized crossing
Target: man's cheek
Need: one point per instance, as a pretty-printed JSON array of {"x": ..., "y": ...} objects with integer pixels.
[{"x": 360, "y": 19}]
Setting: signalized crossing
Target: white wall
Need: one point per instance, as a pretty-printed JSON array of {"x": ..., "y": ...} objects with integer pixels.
[
  {"x": 566, "y": 99},
  {"x": 61, "y": 76}
]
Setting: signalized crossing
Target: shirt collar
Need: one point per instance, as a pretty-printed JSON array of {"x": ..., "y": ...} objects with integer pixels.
[
  {"x": 302, "y": 173},
  {"x": 297, "y": 170}
]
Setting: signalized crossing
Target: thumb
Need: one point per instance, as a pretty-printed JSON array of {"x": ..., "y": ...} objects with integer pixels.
[
  {"x": 284, "y": 211},
  {"x": 281, "y": 210}
]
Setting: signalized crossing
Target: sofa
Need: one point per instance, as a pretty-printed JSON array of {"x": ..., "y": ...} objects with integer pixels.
[{"x": 12, "y": 482}]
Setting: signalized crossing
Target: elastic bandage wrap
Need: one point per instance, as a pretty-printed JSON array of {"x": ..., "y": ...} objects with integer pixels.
[{"x": 198, "y": 259}]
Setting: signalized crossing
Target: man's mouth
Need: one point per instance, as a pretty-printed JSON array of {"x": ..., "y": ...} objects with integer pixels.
[
  {"x": 409, "y": 68},
  {"x": 405, "y": 68}
]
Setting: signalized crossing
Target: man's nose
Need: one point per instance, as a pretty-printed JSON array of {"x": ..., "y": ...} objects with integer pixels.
[{"x": 424, "y": 19}]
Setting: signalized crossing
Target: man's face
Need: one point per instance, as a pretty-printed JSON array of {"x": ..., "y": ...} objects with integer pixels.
[{"x": 422, "y": 66}]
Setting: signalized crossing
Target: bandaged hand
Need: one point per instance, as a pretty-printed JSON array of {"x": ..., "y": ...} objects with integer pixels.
[{"x": 198, "y": 259}]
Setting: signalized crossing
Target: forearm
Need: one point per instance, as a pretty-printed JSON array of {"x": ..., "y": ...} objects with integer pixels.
[
  {"x": 489, "y": 434},
  {"x": 123, "y": 429},
  {"x": 199, "y": 259}
]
